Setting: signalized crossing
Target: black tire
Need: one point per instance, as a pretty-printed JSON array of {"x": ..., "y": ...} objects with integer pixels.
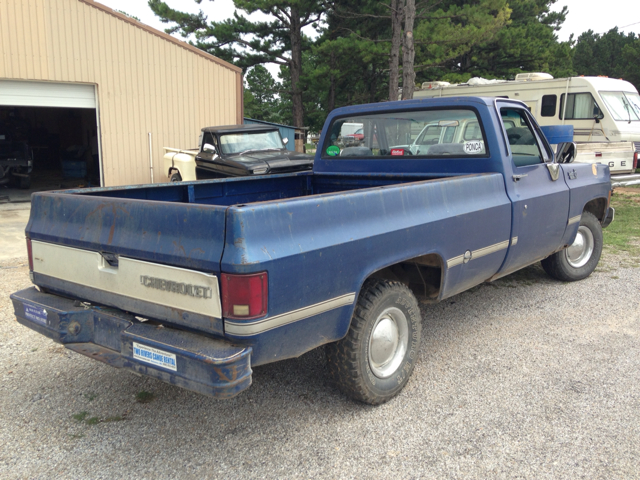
[
  {"x": 579, "y": 260},
  {"x": 358, "y": 370},
  {"x": 24, "y": 182},
  {"x": 175, "y": 177}
]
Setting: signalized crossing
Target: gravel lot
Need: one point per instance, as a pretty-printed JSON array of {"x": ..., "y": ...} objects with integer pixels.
[{"x": 524, "y": 378}]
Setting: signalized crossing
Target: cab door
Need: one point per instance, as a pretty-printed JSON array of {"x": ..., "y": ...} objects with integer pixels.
[{"x": 538, "y": 192}]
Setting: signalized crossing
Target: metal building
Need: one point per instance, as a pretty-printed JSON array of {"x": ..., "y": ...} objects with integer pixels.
[{"x": 82, "y": 82}]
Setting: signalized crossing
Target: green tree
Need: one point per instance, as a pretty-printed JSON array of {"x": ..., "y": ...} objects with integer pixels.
[
  {"x": 631, "y": 57},
  {"x": 425, "y": 33},
  {"x": 246, "y": 43},
  {"x": 261, "y": 100},
  {"x": 613, "y": 54},
  {"x": 527, "y": 43}
]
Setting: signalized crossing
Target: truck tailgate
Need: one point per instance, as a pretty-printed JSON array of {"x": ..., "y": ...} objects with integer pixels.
[{"x": 153, "y": 258}]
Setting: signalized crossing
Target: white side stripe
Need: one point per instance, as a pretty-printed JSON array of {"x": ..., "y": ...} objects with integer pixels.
[
  {"x": 243, "y": 329},
  {"x": 481, "y": 252}
]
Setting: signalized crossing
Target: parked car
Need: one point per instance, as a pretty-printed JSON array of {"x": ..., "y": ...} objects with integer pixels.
[
  {"x": 234, "y": 151},
  {"x": 194, "y": 284}
]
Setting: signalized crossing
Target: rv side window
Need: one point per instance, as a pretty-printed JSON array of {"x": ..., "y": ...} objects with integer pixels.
[
  {"x": 580, "y": 106},
  {"x": 549, "y": 105}
]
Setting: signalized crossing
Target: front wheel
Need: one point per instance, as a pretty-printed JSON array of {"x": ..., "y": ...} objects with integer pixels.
[
  {"x": 375, "y": 360},
  {"x": 175, "y": 177},
  {"x": 581, "y": 258}
]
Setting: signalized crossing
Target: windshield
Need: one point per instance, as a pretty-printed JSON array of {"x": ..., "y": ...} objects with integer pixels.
[
  {"x": 241, "y": 142},
  {"x": 624, "y": 106}
]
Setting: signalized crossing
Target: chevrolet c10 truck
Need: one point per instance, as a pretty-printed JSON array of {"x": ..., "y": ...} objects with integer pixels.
[{"x": 195, "y": 283}]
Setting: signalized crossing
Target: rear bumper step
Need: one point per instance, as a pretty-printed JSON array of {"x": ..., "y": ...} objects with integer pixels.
[{"x": 205, "y": 365}]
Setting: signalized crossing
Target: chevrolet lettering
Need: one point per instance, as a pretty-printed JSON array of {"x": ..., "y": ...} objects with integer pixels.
[
  {"x": 175, "y": 287},
  {"x": 250, "y": 270}
]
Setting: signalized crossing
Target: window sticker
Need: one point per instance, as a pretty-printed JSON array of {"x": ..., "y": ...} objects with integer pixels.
[
  {"x": 397, "y": 152},
  {"x": 473, "y": 147},
  {"x": 333, "y": 151}
]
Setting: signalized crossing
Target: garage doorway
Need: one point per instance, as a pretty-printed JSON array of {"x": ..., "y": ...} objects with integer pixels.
[{"x": 56, "y": 127}]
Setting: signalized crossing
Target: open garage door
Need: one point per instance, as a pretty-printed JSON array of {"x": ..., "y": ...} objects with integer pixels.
[
  {"x": 47, "y": 94},
  {"x": 54, "y": 128}
]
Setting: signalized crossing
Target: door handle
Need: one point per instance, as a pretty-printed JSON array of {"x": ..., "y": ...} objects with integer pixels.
[{"x": 519, "y": 177}]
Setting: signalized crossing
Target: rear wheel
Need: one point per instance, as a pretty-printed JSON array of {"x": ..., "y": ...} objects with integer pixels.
[
  {"x": 373, "y": 362},
  {"x": 175, "y": 177},
  {"x": 581, "y": 258}
]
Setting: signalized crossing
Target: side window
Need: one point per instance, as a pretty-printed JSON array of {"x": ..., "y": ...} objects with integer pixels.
[
  {"x": 549, "y": 105},
  {"x": 580, "y": 106},
  {"x": 425, "y": 133},
  {"x": 207, "y": 138},
  {"x": 430, "y": 135},
  {"x": 522, "y": 139},
  {"x": 472, "y": 131}
]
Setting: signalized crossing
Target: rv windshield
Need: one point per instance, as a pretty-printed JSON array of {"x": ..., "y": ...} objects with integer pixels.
[{"x": 624, "y": 106}]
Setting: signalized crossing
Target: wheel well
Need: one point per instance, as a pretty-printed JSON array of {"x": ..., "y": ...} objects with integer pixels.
[
  {"x": 423, "y": 275},
  {"x": 597, "y": 207}
]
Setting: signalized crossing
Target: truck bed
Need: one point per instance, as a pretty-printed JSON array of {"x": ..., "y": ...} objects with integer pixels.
[
  {"x": 98, "y": 244},
  {"x": 246, "y": 190}
]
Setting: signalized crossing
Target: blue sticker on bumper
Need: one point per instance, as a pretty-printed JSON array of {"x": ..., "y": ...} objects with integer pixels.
[{"x": 36, "y": 314}]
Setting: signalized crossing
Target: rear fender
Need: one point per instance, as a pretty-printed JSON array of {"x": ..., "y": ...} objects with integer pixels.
[{"x": 423, "y": 275}]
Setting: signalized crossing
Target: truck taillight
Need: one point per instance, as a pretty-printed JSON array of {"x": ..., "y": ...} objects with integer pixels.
[
  {"x": 635, "y": 160},
  {"x": 244, "y": 296},
  {"x": 30, "y": 254}
]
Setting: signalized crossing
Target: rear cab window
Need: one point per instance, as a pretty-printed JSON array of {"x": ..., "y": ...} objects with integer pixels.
[{"x": 424, "y": 133}]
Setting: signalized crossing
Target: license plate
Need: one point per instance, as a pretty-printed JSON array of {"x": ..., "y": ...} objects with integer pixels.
[
  {"x": 36, "y": 314},
  {"x": 154, "y": 356}
]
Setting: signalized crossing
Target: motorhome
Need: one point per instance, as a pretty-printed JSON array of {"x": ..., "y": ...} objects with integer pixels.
[{"x": 604, "y": 112}]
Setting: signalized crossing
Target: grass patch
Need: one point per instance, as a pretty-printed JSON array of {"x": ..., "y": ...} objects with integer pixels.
[
  {"x": 623, "y": 235},
  {"x": 90, "y": 396},
  {"x": 82, "y": 418},
  {"x": 145, "y": 397},
  {"x": 116, "y": 418}
]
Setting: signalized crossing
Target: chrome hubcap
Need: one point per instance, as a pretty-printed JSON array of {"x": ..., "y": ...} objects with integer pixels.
[
  {"x": 388, "y": 342},
  {"x": 579, "y": 253}
]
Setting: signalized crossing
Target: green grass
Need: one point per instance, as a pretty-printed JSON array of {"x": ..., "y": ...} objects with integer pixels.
[
  {"x": 144, "y": 397},
  {"x": 623, "y": 235},
  {"x": 82, "y": 418}
]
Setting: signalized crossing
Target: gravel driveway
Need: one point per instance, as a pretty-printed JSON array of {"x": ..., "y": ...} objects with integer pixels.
[{"x": 524, "y": 378}]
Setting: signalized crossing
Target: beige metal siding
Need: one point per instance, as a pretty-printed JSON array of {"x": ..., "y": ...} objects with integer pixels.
[{"x": 147, "y": 82}]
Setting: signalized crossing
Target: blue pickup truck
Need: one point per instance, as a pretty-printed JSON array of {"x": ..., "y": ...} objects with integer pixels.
[{"x": 195, "y": 283}]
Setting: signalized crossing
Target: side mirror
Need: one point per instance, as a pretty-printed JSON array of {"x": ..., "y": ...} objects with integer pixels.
[
  {"x": 207, "y": 147},
  {"x": 565, "y": 152},
  {"x": 598, "y": 116},
  {"x": 285, "y": 141}
]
